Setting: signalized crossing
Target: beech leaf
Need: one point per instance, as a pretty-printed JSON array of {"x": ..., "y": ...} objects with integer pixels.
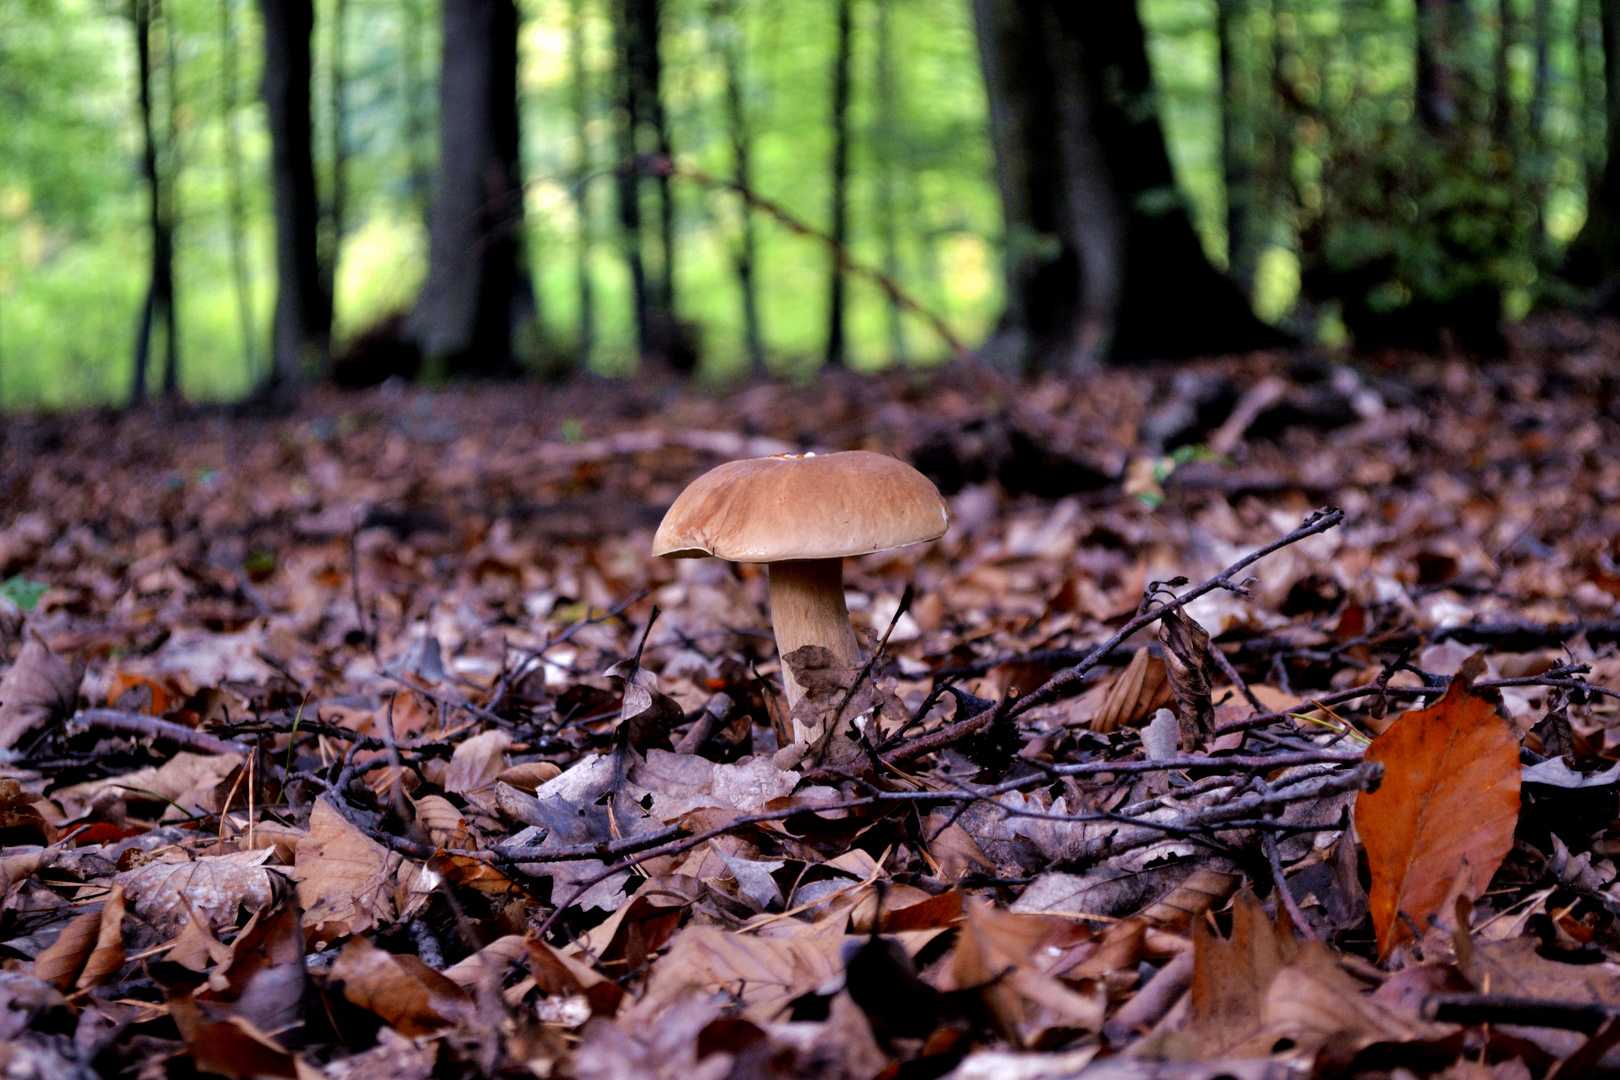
[{"x": 1449, "y": 797}]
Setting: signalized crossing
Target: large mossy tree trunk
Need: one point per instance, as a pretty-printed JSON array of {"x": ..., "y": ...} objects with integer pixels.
[
  {"x": 1593, "y": 259},
  {"x": 1101, "y": 258},
  {"x": 302, "y": 328},
  {"x": 478, "y": 298}
]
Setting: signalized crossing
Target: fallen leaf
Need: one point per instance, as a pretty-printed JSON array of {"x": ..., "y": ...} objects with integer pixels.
[
  {"x": 346, "y": 880},
  {"x": 1187, "y": 665},
  {"x": 410, "y": 996},
  {"x": 999, "y": 952},
  {"x": 90, "y": 949},
  {"x": 40, "y": 687},
  {"x": 476, "y": 762},
  {"x": 1450, "y": 796},
  {"x": 1137, "y": 692},
  {"x": 167, "y": 894}
]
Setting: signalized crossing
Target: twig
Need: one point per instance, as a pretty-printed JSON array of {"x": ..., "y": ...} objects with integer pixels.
[
  {"x": 152, "y": 727},
  {"x": 1526, "y": 1012}
]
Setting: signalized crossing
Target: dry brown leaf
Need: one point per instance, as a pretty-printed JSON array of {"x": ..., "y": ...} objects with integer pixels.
[
  {"x": 38, "y": 688},
  {"x": 765, "y": 973},
  {"x": 999, "y": 953},
  {"x": 441, "y": 821},
  {"x": 483, "y": 971},
  {"x": 410, "y": 996},
  {"x": 560, "y": 975},
  {"x": 187, "y": 782},
  {"x": 1187, "y": 667},
  {"x": 476, "y": 762},
  {"x": 529, "y": 776},
  {"x": 166, "y": 894},
  {"x": 1231, "y": 976},
  {"x": 1137, "y": 692},
  {"x": 1449, "y": 798},
  {"x": 228, "y": 1045},
  {"x": 90, "y": 949},
  {"x": 346, "y": 880}
]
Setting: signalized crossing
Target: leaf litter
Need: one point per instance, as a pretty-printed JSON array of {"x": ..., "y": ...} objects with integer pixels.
[{"x": 371, "y": 742}]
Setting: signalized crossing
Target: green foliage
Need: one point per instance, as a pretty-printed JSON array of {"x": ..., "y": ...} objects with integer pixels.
[{"x": 23, "y": 592}]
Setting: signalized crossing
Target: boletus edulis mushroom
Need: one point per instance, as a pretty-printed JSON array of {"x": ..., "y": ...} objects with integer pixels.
[{"x": 802, "y": 515}]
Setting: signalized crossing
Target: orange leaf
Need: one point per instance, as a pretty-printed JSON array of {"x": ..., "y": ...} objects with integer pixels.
[{"x": 1449, "y": 798}]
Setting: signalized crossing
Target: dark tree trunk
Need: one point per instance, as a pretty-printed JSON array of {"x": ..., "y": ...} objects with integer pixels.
[
  {"x": 478, "y": 297},
  {"x": 236, "y": 200},
  {"x": 412, "y": 88},
  {"x": 1503, "y": 109},
  {"x": 1441, "y": 93},
  {"x": 741, "y": 135},
  {"x": 839, "y": 213},
  {"x": 338, "y": 156},
  {"x": 645, "y": 153},
  {"x": 1594, "y": 256},
  {"x": 1102, "y": 260},
  {"x": 888, "y": 154},
  {"x": 303, "y": 318},
  {"x": 580, "y": 105},
  {"x": 159, "y": 305},
  {"x": 1238, "y": 114}
]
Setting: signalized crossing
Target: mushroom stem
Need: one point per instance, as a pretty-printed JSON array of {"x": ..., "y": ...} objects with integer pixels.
[{"x": 807, "y": 608}]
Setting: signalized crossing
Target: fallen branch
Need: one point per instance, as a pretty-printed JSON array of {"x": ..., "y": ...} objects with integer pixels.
[{"x": 152, "y": 727}]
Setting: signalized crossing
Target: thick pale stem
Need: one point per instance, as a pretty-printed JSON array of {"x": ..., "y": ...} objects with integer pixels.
[{"x": 807, "y": 608}]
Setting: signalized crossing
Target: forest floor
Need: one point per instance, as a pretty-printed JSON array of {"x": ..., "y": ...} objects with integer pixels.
[{"x": 311, "y": 760}]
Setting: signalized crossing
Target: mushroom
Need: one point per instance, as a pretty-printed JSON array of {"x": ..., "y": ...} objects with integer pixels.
[{"x": 802, "y": 515}]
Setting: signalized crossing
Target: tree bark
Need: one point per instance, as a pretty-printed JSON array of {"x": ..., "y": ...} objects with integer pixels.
[
  {"x": 159, "y": 305},
  {"x": 839, "y": 213},
  {"x": 1441, "y": 95},
  {"x": 645, "y": 151},
  {"x": 1238, "y": 114},
  {"x": 303, "y": 318},
  {"x": 236, "y": 200},
  {"x": 1593, "y": 261},
  {"x": 887, "y": 146},
  {"x": 741, "y": 135},
  {"x": 478, "y": 297},
  {"x": 579, "y": 102},
  {"x": 1101, "y": 258},
  {"x": 338, "y": 156},
  {"x": 412, "y": 88}
]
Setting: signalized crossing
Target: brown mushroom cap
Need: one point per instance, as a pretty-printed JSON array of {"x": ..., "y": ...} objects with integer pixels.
[{"x": 819, "y": 506}]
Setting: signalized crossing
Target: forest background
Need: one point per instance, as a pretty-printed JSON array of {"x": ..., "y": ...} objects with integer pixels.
[{"x": 1365, "y": 172}]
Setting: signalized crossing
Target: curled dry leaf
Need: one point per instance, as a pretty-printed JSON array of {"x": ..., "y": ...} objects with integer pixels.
[
  {"x": 997, "y": 954},
  {"x": 476, "y": 762},
  {"x": 90, "y": 949},
  {"x": 1138, "y": 691},
  {"x": 214, "y": 887},
  {"x": 346, "y": 880},
  {"x": 529, "y": 776},
  {"x": 39, "y": 688},
  {"x": 1449, "y": 800},
  {"x": 410, "y": 996},
  {"x": 1187, "y": 664},
  {"x": 442, "y": 822}
]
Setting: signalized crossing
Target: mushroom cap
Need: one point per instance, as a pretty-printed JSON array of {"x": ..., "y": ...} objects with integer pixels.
[{"x": 818, "y": 506}]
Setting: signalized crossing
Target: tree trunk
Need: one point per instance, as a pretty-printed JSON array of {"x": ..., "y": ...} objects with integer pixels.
[
  {"x": 1503, "y": 112},
  {"x": 419, "y": 181},
  {"x": 1441, "y": 95},
  {"x": 1238, "y": 113},
  {"x": 159, "y": 305},
  {"x": 887, "y": 146},
  {"x": 303, "y": 318},
  {"x": 338, "y": 155},
  {"x": 645, "y": 151},
  {"x": 478, "y": 296},
  {"x": 1102, "y": 260},
  {"x": 171, "y": 211},
  {"x": 731, "y": 53},
  {"x": 236, "y": 201},
  {"x": 1594, "y": 256},
  {"x": 580, "y": 104},
  {"x": 839, "y": 232}
]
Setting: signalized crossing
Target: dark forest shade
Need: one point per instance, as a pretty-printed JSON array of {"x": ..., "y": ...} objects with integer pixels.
[
  {"x": 303, "y": 317},
  {"x": 1101, "y": 258},
  {"x": 478, "y": 296},
  {"x": 1593, "y": 261}
]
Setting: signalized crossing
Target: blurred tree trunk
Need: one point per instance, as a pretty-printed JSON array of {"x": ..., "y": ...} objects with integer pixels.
[
  {"x": 645, "y": 155},
  {"x": 1238, "y": 116},
  {"x": 729, "y": 28},
  {"x": 159, "y": 305},
  {"x": 840, "y": 184},
  {"x": 1102, "y": 260},
  {"x": 1504, "y": 113},
  {"x": 1441, "y": 91},
  {"x": 236, "y": 200},
  {"x": 888, "y": 153},
  {"x": 1593, "y": 261},
  {"x": 331, "y": 249},
  {"x": 478, "y": 298},
  {"x": 303, "y": 319},
  {"x": 579, "y": 103},
  {"x": 414, "y": 29}
]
